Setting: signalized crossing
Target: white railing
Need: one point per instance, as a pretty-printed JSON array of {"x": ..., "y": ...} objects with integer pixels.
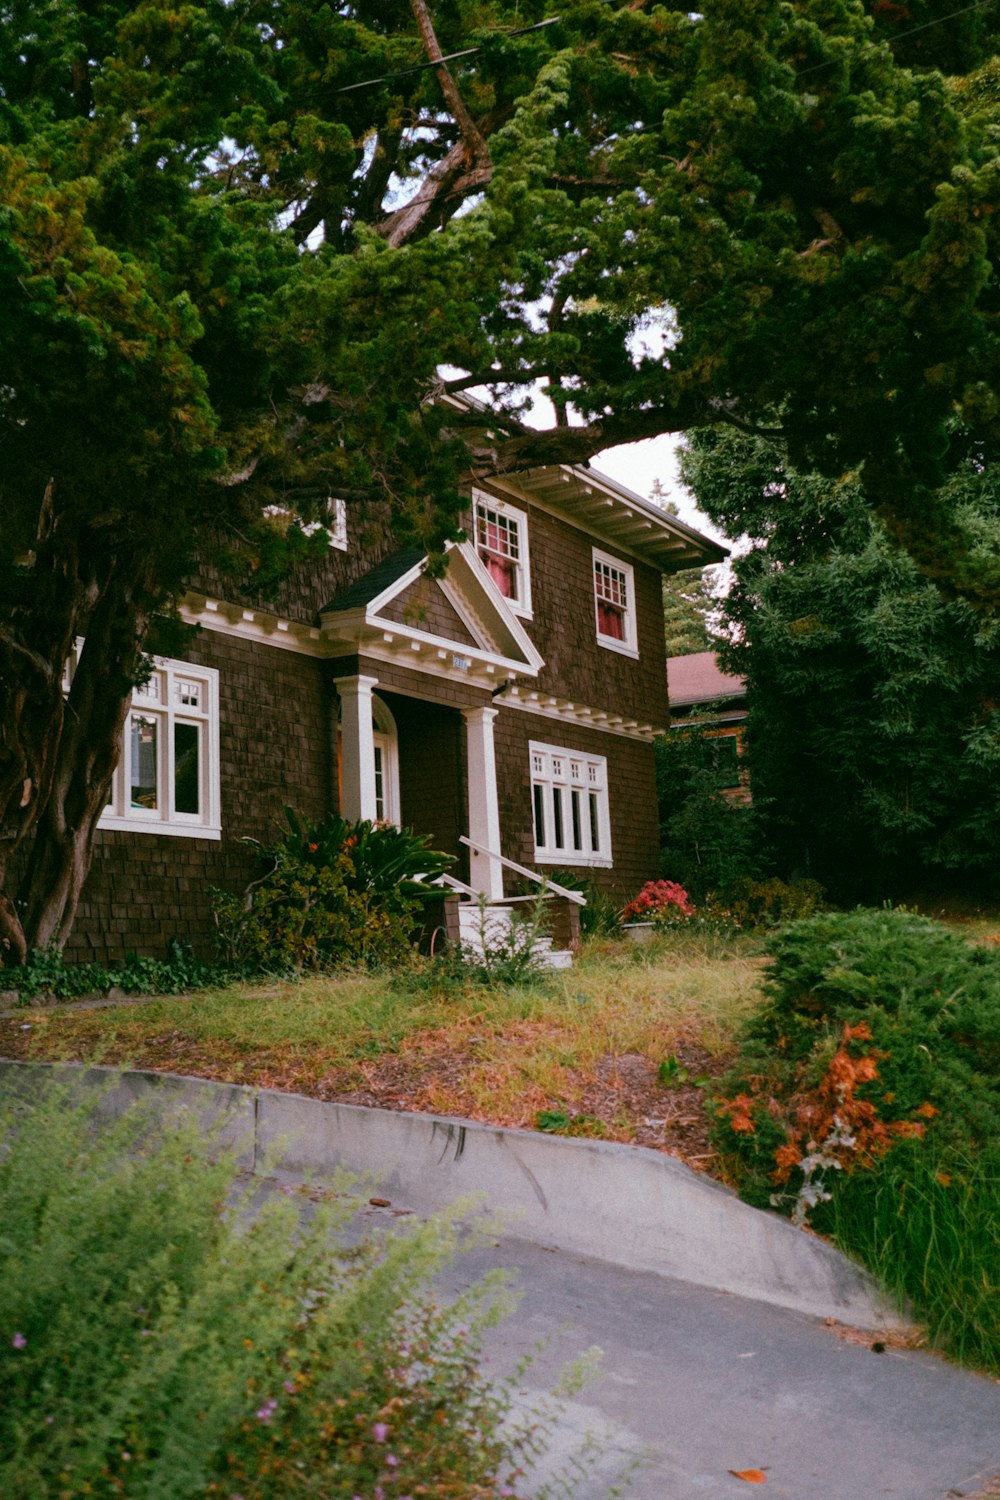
[{"x": 512, "y": 864}]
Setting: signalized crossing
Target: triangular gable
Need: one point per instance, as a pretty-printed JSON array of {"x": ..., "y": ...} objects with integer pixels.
[
  {"x": 425, "y": 605},
  {"x": 464, "y": 608}
]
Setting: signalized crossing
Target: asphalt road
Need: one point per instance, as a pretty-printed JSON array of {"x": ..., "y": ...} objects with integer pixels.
[{"x": 694, "y": 1383}]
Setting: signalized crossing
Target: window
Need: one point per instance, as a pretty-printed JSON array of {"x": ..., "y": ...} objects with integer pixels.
[
  {"x": 167, "y": 778},
  {"x": 614, "y": 604},
  {"x": 335, "y": 520},
  {"x": 569, "y": 803},
  {"x": 721, "y": 757},
  {"x": 502, "y": 544}
]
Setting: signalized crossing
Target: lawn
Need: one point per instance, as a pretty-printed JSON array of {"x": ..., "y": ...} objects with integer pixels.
[{"x": 618, "y": 1047}]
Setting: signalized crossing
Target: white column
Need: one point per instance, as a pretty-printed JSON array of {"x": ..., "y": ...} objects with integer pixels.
[
  {"x": 486, "y": 874},
  {"x": 357, "y": 747}
]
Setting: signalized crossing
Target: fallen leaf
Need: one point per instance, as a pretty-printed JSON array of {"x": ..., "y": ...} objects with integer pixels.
[{"x": 751, "y": 1476}]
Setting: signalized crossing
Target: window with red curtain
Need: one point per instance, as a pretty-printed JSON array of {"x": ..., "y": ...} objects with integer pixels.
[
  {"x": 611, "y": 595},
  {"x": 498, "y": 544}
]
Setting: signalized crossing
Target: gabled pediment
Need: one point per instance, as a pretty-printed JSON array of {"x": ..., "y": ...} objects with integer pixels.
[{"x": 463, "y": 614}]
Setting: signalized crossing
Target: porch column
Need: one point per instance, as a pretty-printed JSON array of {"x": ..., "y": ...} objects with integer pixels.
[
  {"x": 357, "y": 747},
  {"x": 486, "y": 874}
]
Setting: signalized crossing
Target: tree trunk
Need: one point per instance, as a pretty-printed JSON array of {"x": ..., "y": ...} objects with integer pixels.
[{"x": 89, "y": 747}]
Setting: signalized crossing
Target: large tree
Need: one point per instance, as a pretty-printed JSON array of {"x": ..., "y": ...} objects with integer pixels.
[
  {"x": 873, "y": 729},
  {"x": 240, "y": 240}
]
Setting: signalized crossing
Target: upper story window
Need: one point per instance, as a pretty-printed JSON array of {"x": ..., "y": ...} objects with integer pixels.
[
  {"x": 335, "y": 520},
  {"x": 569, "y": 803},
  {"x": 614, "y": 604},
  {"x": 167, "y": 778},
  {"x": 502, "y": 544}
]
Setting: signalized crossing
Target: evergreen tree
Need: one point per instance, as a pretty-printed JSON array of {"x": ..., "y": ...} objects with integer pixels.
[
  {"x": 239, "y": 242},
  {"x": 873, "y": 729}
]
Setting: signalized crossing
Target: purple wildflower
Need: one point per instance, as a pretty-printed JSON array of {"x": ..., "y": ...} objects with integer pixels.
[
  {"x": 391, "y": 1460},
  {"x": 380, "y": 1431},
  {"x": 267, "y": 1411},
  {"x": 19, "y": 1341}
]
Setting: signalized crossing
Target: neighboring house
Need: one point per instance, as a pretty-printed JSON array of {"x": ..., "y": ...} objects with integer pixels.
[
  {"x": 703, "y": 696},
  {"x": 513, "y": 702}
]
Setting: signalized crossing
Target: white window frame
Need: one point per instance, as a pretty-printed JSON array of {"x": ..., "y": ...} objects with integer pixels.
[
  {"x": 386, "y": 768},
  {"x": 603, "y": 561},
  {"x": 481, "y": 501},
  {"x": 177, "y": 693},
  {"x": 569, "y": 796},
  {"x": 335, "y": 523}
]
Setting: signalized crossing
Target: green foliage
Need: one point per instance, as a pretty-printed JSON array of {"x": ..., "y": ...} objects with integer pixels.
[
  {"x": 928, "y": 1224},
  {"x": 688, "y": 602},
  {"x": 873, "y": 735},
  {"x": 872, "y": 1071},
  {"x": 47, "y": 973},
  {"x": 337, "y": 893},
  {"x": 504, "y": 950},
  {"x": 246, "y": 1350},
  {"x": 601, "y": 917},
  {"x": 382, "y": 860},
  {"x": 759, "y": 904},
  {"x": 707, "y": 841},
  {"x": 251, "y": 288}
]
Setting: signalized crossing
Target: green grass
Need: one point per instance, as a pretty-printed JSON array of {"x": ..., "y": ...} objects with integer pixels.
[
  {"x": 928, "y": 1224},
  {"x": 519, "y": 1044}
]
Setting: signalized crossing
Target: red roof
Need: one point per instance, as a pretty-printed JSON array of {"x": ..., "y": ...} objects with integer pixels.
[{"x": 699, "y": 679}]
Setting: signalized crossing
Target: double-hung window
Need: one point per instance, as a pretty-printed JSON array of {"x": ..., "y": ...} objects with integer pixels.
[
  {"x": 569, "y": 801},
  {"x": 502, "y": 545},
  {"x": 167, "y": 778},
  {"x": 614, "y": 603}
]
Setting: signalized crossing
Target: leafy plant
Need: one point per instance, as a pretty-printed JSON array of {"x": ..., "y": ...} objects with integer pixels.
[
  {"x": 382, "y": 859},
  {"x": 875, "y": 1054},
  {"x": 506, "y": 947},
  {"x": 661, "y": 901},
  {"x": 671, "y": 1072},
  {"x": 239, "y": 1352},
  {"x": 47, "y": 973},
  {"x": 336, "y": 893},
  {"x": 768, "y": 903}
]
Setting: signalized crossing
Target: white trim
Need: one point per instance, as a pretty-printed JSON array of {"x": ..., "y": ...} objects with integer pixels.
[
  {"x": 570, "y": 807},
  {"x": 335, "y": 524},
  {"x": 177, "y": 695},
  {"x": 385, "y": 742},
  {"x": 486, "y": 873},
  {"x": 357, "y": 746},
  {"x": 578, "y": 714},
  {"x": 622, "y": 576},
  {"x": 504, "y": 511}
]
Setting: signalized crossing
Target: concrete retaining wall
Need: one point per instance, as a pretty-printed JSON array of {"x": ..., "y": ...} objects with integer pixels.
[{"x": 626, "y": 1205}]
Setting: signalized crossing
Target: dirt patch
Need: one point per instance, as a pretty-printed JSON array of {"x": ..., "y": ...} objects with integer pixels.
[{"x": 459, "y": 1071}]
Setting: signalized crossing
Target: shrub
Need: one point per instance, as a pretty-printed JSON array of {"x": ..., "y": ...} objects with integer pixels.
[
  {"x": 874, "y": 1064},
  {"x": 337, "y": 893},
  {"x": 769, "y": 903},
  {"x": 661, "y": 901},
  {"x": 47, "y": 973},
  {"x": 153, "y": 1344}
]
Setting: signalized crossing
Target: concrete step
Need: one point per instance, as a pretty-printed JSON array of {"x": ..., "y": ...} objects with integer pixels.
[{"x": 492, "y": 926}]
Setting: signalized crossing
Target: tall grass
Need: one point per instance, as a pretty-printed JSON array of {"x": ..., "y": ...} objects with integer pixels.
[{"x": 927, "y": 1222}]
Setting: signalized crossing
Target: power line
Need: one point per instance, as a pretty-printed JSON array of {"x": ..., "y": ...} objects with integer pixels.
[
  {"x": 468, "y": 52},
  {"x": 368, "y": 83},
  {"x": 902, "y": 35}
]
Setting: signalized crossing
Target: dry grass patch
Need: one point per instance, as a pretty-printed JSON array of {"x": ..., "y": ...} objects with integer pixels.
[{"x": 586, "y": 1043}]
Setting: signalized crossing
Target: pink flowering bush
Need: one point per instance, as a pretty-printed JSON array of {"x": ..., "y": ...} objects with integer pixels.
[{"x": 662, "y": 901}]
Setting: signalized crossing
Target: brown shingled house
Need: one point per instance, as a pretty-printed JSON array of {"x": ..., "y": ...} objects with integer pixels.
[{"x": 508, "y": 709}]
